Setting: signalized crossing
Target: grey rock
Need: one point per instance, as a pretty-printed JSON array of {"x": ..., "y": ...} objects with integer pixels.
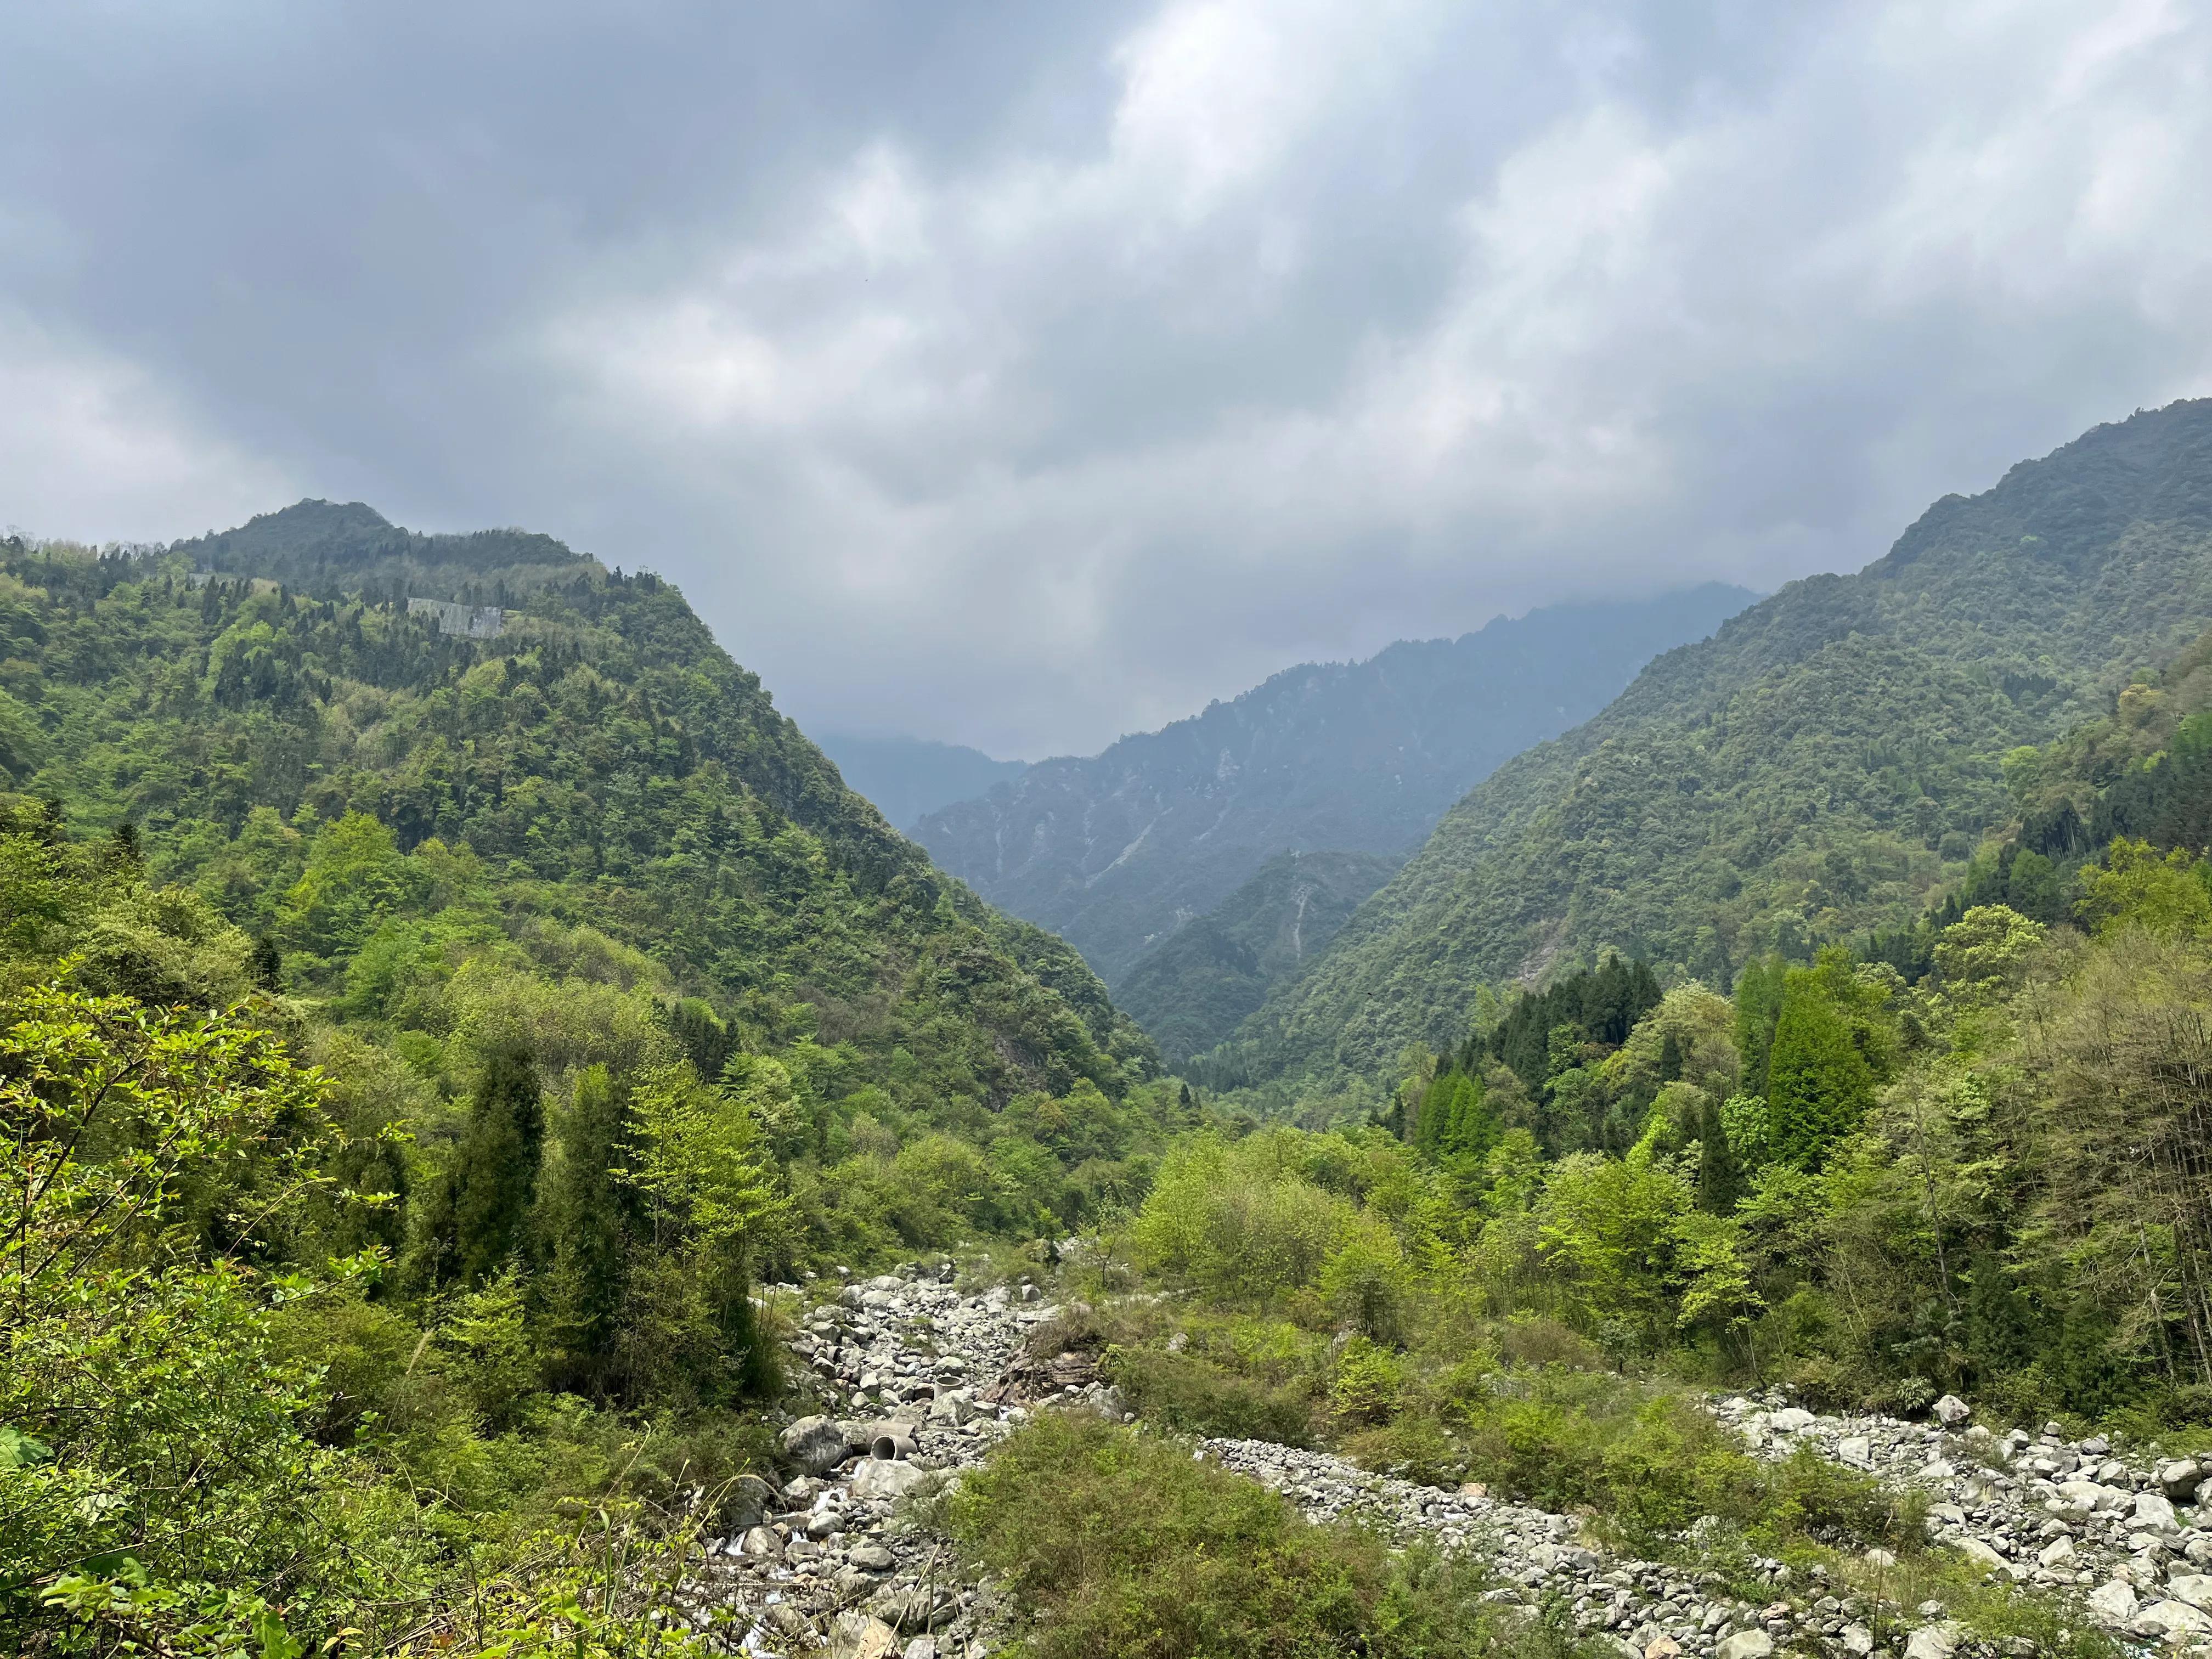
[
  {"x": 2113, "y": 1604},
  {"x": 1936, "y": 1640},
  {"x": 1745, "y": 1644},
  {"x": 815, "y": 1444},
  {"x": 1951, "y": 1411},
  {"x": 857, "y": 1636},
  {"x": 2170, "y": 1619},
  {"x": 2153, "y": 1510},
  {"x": 1982, "y": 1553},
  {"x": 748, "y": 1502},
  {"x": 2194, "y": 1587},
  {"x": 2179, "y": 1478},
  {"x": 877, "y": 1477}
]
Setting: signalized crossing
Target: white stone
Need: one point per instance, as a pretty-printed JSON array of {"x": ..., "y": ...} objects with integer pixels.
[
  {"x": 2194, "y": 1587},
  {"x": 2113, "y": 1603},
  {"x": 1981, "y": 1554},
  {"x": 1746, "y": 1644},
  {"x": 856, "y": 1636},
  {"x": 883, "y": 1477},
  {"x": 1858, "y": 1449},
  {"x": 2153, "y": 1510},
  {"x": 1791, "y": 1419},
  {"x": 2057, "y": 1552},
  {"x": 1951, "y": 1411},
  {"x": 2170, "y": 1619},
  {"x": 1857, "y": 1639},
  {"x": 1936, "y": 1641}
]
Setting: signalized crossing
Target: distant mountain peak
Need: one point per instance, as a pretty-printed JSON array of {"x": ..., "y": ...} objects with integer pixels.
[
  {"x": 1112, "y": 851},
  {"x": 314, "y": 544}
]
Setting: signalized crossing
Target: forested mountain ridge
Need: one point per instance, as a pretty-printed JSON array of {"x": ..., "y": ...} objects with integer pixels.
[
  {"x": 416, "y": 1048},
  {"x": 1117, "y": 851},
  {"x": 603, "y": 763},
  {"x": 1823, "y": 764},
  {"x": 1190, "y": 990}
]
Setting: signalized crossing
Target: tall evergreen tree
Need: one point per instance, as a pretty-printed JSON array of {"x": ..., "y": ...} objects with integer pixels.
[
  {"x": 1819, "y": 1085},
  {"x": 1720, "y": 1181},
  {"x": 495, "y": 1172},
  {"x": 580, "y": 1231},
  {"x": 1453, "y": 1121},
  {"x": 1758, "y": 991}
]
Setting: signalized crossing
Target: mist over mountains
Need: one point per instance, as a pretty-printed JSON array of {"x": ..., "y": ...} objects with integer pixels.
[
  {"x": 907, "y": 778},
  {"x": 1822, "y": 765},
  {"x": 1117, "y": 851}
]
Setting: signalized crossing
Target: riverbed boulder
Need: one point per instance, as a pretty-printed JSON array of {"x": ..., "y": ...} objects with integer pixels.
[{"x": 817, "y": 1444}]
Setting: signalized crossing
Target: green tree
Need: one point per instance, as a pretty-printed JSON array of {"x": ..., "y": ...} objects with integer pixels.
[
  {"x": 1818, "y": 1085},
  {"x": 356, "y": 876},
  {"x": 1719, "y": 1181},
  {"x": 494, "y": 1173},
  {"x": 582, "y": 1212},
  {"x": 1758, "y": 993},
  {"x": 2166, "y": 896}
]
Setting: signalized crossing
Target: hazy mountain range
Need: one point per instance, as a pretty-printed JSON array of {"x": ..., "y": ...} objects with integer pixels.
[{"x": 1117, "y": 851}]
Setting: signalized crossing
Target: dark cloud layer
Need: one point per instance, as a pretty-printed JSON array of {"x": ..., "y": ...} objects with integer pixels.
[{"x": 1022, "y": 374}]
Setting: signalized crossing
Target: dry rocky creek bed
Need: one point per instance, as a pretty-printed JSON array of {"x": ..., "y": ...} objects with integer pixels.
[{"x": 920, "y": 1380}]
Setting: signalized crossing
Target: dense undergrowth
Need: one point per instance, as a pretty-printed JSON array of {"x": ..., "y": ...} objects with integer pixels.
[
  {"x": 414, "y": 1053},
  {"x": 1115, "y": 1545}
]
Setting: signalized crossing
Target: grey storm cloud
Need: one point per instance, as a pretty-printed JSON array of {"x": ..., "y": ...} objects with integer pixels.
[{"x": 1023, "y": 374}]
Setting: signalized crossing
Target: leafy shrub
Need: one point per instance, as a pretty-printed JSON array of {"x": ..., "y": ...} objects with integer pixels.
[
  {"x": 1370, "y": 1381},
  {"x": 1191, "y": 1395},
  {"x": 1115, "y": 1545}
]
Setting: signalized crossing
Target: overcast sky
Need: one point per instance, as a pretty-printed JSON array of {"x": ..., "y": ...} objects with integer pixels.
[{"x": 1025, "y": 374}]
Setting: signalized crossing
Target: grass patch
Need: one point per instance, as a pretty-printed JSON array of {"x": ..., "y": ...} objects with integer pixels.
[
  {"x": 1990, "y": 1609},
  {"x": 1116, "y": 1544}
]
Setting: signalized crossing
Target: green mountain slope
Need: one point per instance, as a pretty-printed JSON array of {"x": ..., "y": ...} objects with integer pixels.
[
  {"x": 1191, "y": 991},
  {"x": 603, "y": 764},
  {"x": 1117, "y": 851},
  {"x": 1821, "y": 765}
]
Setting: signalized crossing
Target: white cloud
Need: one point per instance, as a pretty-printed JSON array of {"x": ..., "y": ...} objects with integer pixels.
[
  {"x": 93, "y": 446},
  {"x": 1029, "y": 404}
]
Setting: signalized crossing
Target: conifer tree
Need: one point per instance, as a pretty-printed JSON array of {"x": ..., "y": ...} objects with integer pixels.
[
  {"x": 1720, "y": 1183},
  {"x": 1758, "y": 992},
  {"x": 1818, "y": 1085},
  {"x": 495, "y": 1171},
  {"x": 581, "y": 1228}
]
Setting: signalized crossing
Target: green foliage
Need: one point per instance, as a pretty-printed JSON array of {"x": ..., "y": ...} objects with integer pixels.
[
  {"x": 1822, "y": 765},
  {"x": 1116, "y": 1545},
  {"x": 494, "y": 1177},
  {"x": 617, "y": 1003},
  {"x": 1190, "y": 990},
  {"x": 1189, "y": 1394},
  {"x": 1818, "y": 1085}
]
